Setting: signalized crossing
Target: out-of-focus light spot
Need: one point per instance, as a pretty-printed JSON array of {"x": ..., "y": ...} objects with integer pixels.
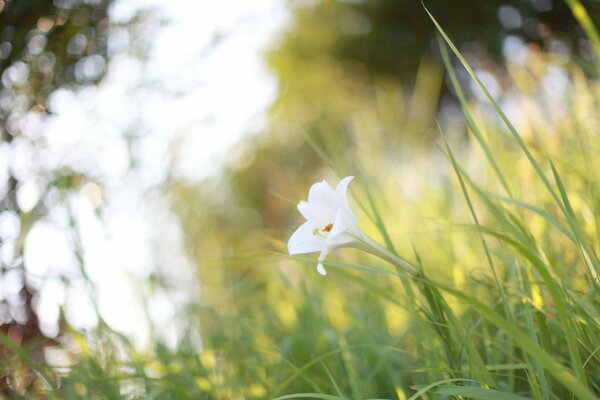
[
  {"x": 93, "y": 193},
  {"x": 559, "y": 47},
  {"x": 6, "y": 98},
  {"x": 162, "y": 312},
  {"x": 586, "y": 49},
  {"x": 45, "y": 63},
  {"x": 28, "y": 195},
  {"x": 208, "y": 359},
  {"x": 64, "y": 4},
  {"x": 203, "y": 383},
  {"x": 121, "y": 307},
  {"x": 90, "y": 68},
  {"x": 541, "y": 5},
  {"x": 44, "y": 24},
  {"x": 79, "y": 310},
  {"x": 354, "y": 23},
  {"x": 451, "y": 113},
  {"x": 242, "y": 157},
  {"x": 7, "y": 253},
  {"x": 61, "y": 101},
  {"x": 286, "y": 312},
  {"x": 510, "y": 17},
  {"x": 51, "y": 297},
  {"x": 5, "y": 50},
  {"x": 543, "y": 30},
  {"x": 22, "y": 156},
  {"x": 556, "y": 83},
  {"x": 12, "y": 283},
  {"x": 489, "y": 81},
  {"x": 10, "y": 225},
  {"x": 16, "y": 74},
  {"x": 118, "y": 41},
  {"x": 58, "y": 357},
  {"x": 46, "y": 247},
  {"x": 257, "y": 391},
  {"x": 77, "y": 44},
  {"x": 395, "y": 318},
  {"x": 515, "y": 49},
  {"x": 60, "y": 21},
  {"x": 36, "y": 44}
]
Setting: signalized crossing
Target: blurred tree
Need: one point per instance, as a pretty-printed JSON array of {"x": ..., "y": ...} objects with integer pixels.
[
  {"x": 391, "y": 37},
  {"x": 44, "y": 45}
]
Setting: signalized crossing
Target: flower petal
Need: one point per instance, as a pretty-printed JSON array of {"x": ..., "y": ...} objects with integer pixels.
[
  {"x": 306, "y": 210},
  {"x": 304, "y": 241},
  {"x": 313, "y": 213},
  {"x": 345, "y": 228},
  {"x": 320, "y": 268},
  {"x": 324, "y": 198},
  {"x": 342, "y": 189}
]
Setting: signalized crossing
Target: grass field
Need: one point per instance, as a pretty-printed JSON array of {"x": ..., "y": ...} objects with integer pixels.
[{"x": 502, "y": 225}]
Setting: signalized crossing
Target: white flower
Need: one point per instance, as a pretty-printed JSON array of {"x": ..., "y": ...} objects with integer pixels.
[{"x": 330, "y": 222}]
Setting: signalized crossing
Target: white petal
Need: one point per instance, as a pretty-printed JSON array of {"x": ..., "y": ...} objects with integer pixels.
[
  {"x": 319, "y": 215},
  {"x": 321, "y": 269},
  {"x": 345, "y": 228},
  {"x": 349, "y": 217},
  {"x": 342, "y": 189},
  {"x": 306, "y": 210},
  {"x": 304, "y": 241},
  {"x": 324, "y": 198}
]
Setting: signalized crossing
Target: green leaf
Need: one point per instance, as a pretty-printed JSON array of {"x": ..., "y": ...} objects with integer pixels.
[
  {"x": 477, "y": 393},
  {"x": 421, "y": 391}
]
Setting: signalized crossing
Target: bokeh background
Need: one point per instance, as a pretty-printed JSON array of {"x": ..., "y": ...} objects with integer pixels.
[{"x": 152, "y": 153}]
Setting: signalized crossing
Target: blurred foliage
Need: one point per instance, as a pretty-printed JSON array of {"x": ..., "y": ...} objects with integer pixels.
[
  {"x": 44, "y": 45},
  {"x": 391, "y": 37}
]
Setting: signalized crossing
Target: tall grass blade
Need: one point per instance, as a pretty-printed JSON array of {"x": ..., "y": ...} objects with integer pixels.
[
  {"x": 470, "y": 119},
  {"x": 473, "y": 392},
  {"x": 518, "y": 139},
  {"x": 588, "y": 252},
  {"x": 582, "y": 16},
  {"x": 555, "y": 368}
]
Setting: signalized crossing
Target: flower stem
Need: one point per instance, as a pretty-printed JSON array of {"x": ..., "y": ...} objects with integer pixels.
[{"x": 371, "y": 246}]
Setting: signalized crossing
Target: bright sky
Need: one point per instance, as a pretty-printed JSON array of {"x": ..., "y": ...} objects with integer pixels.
[{"x": 203, "y": 86}]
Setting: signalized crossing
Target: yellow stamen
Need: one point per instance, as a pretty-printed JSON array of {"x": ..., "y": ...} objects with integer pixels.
[{"x": 328, "y": 228}]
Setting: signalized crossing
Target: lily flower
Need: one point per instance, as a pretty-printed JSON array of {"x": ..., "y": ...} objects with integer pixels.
[{"x": 331, "y": 223}]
